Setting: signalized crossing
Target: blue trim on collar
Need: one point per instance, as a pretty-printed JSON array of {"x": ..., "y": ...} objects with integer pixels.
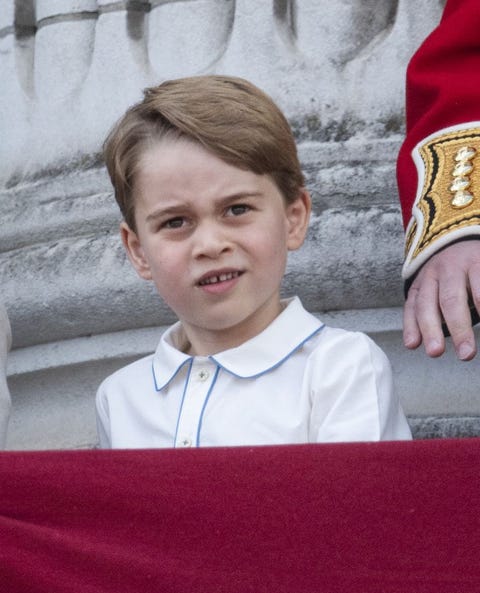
[
  {"x": 183, "y": 399},
  {"x": 257, "y": 356},
  {"x": 269, "y": 348},
  {"x": 200, "y": 421},
  {"x": 274, "y": 366},
  {"x": 157, "y": 388}
]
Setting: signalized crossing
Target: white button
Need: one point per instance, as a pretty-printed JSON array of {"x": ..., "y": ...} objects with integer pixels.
[
  {"x": 203, "y": 375},
  {"x": 186, "y": 442}
]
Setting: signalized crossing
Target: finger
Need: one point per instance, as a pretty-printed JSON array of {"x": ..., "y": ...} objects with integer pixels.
[
  {"x": 429, "y": 318},
  {"x": 412, "y": 338},
  {"x": 453, "y": 299}
]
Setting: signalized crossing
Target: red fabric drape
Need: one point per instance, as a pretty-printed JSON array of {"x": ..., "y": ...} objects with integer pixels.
[{"x": 383, "y": 517}]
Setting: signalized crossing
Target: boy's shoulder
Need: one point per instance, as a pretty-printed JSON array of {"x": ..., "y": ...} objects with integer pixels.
[
  {"x": 339, "y": 334},
  {"x": 133, "y": 373},
  {"x": 343, "y": 346}
]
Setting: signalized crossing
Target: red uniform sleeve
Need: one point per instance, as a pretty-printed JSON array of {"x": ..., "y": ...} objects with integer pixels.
[{"x": 438, "y": 168}]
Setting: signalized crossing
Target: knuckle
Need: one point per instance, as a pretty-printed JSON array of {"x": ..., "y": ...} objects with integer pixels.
[
  {"x": 423, "y": 301},
  {"x": 450, "y": 300}
]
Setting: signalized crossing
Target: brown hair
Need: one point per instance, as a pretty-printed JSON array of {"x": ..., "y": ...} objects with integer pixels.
[{"x": 229, "y": 116}]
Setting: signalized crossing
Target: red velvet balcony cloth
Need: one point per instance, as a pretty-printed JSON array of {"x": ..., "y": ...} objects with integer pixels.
[{"x": 368, "y": 518}]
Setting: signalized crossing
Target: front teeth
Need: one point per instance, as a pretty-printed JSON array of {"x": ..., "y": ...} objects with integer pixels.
[{"x": 219, "y": 278}]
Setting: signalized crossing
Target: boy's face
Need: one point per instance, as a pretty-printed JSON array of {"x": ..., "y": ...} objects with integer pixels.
[{"x": 214, "y": 239}]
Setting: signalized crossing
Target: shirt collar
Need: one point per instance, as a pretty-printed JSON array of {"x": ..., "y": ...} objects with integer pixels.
[{"x": 268, "y": 349}]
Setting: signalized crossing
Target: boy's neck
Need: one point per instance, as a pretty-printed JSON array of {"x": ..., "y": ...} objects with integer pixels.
[
  {"x": 203, "y": 342},
  {"x": 210, "y": 343}
]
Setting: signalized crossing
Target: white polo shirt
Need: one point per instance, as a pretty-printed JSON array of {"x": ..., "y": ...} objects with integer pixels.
[{"x": 298, "y": 381}]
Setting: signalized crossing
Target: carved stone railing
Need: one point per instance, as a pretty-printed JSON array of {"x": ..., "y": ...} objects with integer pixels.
[{"x": 70, "y": 67}]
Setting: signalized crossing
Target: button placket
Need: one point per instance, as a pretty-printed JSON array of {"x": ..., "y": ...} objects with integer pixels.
[
  {"x": 203, "y": 374},
  {"x": 197, "y": 389}
]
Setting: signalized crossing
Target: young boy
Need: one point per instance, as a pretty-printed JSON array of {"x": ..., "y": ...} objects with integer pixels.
[
  {"x": 207, "y": 177},
  {"x": 5, "y": 402}
]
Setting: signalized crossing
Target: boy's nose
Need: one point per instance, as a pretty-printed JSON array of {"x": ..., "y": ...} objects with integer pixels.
[{"x": 210, "y": 240}]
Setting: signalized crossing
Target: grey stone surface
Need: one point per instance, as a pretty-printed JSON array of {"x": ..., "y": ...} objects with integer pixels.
[
  {"x": 69, "y": 68},
  {"x": 445, "y": 427}
]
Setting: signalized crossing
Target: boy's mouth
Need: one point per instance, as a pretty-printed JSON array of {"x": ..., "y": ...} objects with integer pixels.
[{"x": 217, "y": 278}]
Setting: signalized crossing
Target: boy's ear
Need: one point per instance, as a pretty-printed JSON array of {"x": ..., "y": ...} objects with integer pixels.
[
  {"x": 298, "y": 215},
  {"x": 135, "y": 252}
]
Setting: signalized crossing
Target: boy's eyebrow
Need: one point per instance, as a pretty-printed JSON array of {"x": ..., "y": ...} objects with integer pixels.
[
  {"x": 240, "y": 196},
  {"x": 220, "y": 202},
  {"x": 162, "y": 212}
]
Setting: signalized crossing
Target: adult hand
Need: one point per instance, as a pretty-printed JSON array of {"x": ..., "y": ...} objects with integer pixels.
[{"x": 440, "y": 293}]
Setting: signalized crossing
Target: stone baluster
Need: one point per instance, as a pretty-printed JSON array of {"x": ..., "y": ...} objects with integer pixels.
[
  {"x": 337, "y": 35},
  {"x": 64, "y": 41},
  {"x": 330, "y": 34},
  {"x": 259, "y": 47},
  {"x": 120, "y": 67},
  {"x": 63, "y": 47},
  {"x": 372, "y": 75},
  {"x": 17, "y": 27},
  {"x": 186, "y": 38}
]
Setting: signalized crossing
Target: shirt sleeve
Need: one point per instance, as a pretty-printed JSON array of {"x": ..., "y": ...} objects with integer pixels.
[
  {"x": 351, "y": 390},
  {"x": 438, "y": 166},
  {"x": 102, "y": 417}
]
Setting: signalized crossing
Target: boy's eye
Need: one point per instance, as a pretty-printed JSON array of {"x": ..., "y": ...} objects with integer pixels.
[
  {"x": 238, "y": 209},
  {"x": 174, "y": 223}
]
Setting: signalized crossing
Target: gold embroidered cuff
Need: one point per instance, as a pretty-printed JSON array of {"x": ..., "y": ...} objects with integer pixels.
[{"x": 447, "y": 206}]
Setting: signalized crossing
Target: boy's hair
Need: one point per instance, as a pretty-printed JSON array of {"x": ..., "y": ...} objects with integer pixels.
[{"x": 228, "y": 116}]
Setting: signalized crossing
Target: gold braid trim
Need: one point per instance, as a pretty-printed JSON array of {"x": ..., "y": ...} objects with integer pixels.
[{"x": 450, "y": 198}]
